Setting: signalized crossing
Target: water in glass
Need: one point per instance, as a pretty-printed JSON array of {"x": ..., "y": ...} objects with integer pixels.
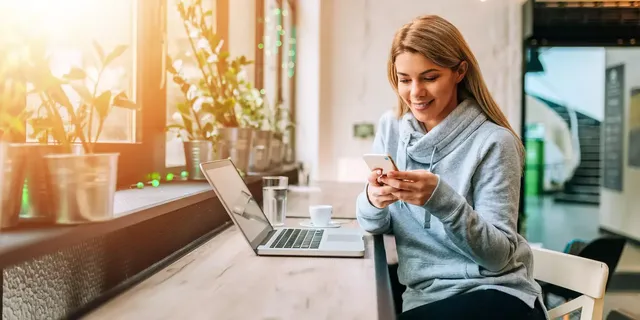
[
  {"x": 274, "y": 199},
  {"x": 275, "y": 204}
]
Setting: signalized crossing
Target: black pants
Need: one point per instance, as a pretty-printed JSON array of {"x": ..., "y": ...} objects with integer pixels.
[{"x": 481, "y": 304}]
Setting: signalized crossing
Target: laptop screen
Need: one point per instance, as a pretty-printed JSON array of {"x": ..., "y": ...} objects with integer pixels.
[{"x": 238, "y": 201}]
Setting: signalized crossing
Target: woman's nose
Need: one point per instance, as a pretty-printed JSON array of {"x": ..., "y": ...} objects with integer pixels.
[{"x": 417, "y": 90}]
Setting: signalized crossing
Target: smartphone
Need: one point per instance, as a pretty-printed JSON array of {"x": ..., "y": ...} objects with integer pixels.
[{"x": 380, "y": 161}]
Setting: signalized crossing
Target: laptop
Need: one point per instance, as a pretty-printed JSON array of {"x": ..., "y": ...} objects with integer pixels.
[{"x": 266, "y": 240}]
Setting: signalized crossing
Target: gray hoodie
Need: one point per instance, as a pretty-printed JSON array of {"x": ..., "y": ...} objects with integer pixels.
[{"x": 464, "y": 237}]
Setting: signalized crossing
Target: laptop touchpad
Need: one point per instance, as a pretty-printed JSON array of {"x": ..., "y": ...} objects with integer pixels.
[{"x": 344, "y": 237}]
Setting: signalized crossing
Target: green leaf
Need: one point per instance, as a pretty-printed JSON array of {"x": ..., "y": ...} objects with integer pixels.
[
  {"x": 185, "y": 88},
  {"x": 207, "y": 107},
  {"x": 75, "y": 74},
  {"x": 118, "y": 51},
  {"x": 208, "y": 128},
  {"x": 41, "y": 123},
  {"x": 102, "y": 103},
  {"x": 60, "y": 97},
  {"x": 170, "y": 67},
  {"x": 122, "y": 101},
  {"x": 188, "y": 124},
  {"x": 99, "y": 50},
  {"x": 178, "y": 80},
  {"x": 13, "y": 124},
  {"x": 183, "y": 109}
]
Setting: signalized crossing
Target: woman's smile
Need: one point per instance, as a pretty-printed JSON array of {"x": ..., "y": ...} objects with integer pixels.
[{"x": 421, "y": 105}]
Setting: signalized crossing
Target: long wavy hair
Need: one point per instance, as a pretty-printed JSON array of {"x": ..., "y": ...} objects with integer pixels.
[{"x": 442, "y": 43}]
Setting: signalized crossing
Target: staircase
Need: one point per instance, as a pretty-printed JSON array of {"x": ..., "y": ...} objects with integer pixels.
[{"x": 584, "y": 186}]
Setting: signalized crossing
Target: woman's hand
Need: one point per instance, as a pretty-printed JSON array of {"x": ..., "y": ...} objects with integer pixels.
[
  {"x": 414, "y": 187},
  {"x": 379, "y": 195}
]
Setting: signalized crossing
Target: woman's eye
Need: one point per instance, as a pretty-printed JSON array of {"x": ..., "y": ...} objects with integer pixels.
[
  {"x": 404, "y": 80},
  {"x": 431, "y": 79}
]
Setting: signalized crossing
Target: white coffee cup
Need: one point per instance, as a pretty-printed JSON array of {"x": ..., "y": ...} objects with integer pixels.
[{"x": 320, "y": 215}]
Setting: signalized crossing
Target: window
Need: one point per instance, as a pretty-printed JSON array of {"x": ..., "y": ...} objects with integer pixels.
[
  {"x": 72, "y": 45},
  {"x": 179, "y": 49},
  {"x": 271, "y": 46},
  {"x": 69, "y": 29},
  {"x": 276, "y": 58},
  {"x": 288, "y": 58}
]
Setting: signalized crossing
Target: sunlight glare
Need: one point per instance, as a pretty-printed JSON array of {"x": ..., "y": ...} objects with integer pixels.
[{"x": 58, "y": 18}]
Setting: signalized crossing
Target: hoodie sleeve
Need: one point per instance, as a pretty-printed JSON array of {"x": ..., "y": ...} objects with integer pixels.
[
  {"x": 371, "y": 218},
  {"x": 486, "y": 232}
]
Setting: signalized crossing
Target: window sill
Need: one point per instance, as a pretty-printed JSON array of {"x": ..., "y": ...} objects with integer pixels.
[{"x": 132, "y": 206}]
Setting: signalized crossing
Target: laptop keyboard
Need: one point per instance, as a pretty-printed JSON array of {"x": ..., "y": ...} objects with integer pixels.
[{"x": 298, "y": 239}]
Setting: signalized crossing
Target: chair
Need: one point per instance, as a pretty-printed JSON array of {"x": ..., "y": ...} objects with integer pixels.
[
  {"x": 585, "y": 276},
  {"x": 607, "y": 250}
]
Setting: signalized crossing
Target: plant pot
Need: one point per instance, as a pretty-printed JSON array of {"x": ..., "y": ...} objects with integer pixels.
[
  {"x": 277, "y": 147},
  {"x": 197, "y": 152},
  {"x": 12, "y": 164},
  {"x": 288, "y": 157},
  {"x": 235, "y": 143},
  {"x": 39, "y": 201},
  {"x": 83, "y": 186},
  {"x": 260, "y": 159}
]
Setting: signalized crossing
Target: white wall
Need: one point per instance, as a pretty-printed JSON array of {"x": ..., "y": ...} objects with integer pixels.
[
  {"x": 620, "y": 211},
  {"x": 350, "y": 40},
  {"x": 308, "y": 83},
  {"x": 573, "y": 77}
]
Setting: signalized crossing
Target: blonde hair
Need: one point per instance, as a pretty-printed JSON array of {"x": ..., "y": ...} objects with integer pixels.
[{"x": 442, "y": 43}]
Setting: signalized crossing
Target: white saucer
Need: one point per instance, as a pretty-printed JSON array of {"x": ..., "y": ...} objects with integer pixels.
[{"x": 309, "y": 224}]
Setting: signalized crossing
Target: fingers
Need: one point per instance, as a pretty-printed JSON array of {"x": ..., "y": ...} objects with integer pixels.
[
  {"x": 387, "y": 198},
  {"x": 400, "y": 184},
  {"x": 387, "y": 190},
  {"x": 382, "y": 191},
  {"x": 403, "y": 195},
  {"x": 373, "y": 177},
  {"x": 405, "y": 175},
  {"x": 385, "y": 201}
]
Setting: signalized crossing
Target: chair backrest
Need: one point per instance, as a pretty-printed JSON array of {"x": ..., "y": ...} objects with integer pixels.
[
  {"x": 607, "y": 250},
  {"x": 586, "y": 276}
]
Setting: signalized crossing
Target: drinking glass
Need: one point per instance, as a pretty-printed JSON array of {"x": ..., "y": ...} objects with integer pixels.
[{"x": 274, "y": 199}]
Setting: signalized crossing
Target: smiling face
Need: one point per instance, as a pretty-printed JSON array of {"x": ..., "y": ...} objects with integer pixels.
[{"x": 429, "y": 90}]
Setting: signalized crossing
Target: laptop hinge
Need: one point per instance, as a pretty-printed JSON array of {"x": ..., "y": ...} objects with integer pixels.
[{"x": 266, "y": 239}]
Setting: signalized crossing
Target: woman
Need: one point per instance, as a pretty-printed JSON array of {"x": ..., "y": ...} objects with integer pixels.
[{"x": 453, "y": 204}]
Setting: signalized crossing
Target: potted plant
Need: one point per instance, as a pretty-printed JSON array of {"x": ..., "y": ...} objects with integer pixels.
[
  {"x": 83, "y": 182},
  {"x": 12, "y": 117},
  {"x": 281, "y": 124},
  {"x": 253, "y": 115},
  {"x": 221, "y": 83},
  {"x": 193, "y": 123}
]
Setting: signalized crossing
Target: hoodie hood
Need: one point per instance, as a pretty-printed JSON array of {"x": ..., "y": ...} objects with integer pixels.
[{"x": 428, "y": 148}]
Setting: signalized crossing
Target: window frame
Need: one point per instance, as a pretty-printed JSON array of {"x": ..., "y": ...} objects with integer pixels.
[{"x": 138, "y": 159}]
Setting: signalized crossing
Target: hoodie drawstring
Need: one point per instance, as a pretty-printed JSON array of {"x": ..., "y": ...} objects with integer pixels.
[{"x": 431, "y": 160}]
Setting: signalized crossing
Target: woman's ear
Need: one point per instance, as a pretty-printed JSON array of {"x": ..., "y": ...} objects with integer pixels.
[{"x": 461, "y": 71}]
